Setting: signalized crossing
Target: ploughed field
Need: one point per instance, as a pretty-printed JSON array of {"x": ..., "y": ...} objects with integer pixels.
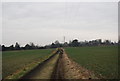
[
  {"x": 17, "y": 63},
  {"x": 102, "y": 60}
]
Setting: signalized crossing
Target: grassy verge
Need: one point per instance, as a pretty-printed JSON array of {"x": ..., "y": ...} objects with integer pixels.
[
  {"x": 103, "y": 60},
  {"x": 17, "y": 63}
]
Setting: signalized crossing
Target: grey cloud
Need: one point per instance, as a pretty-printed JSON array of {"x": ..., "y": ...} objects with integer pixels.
[{"x": 46, "y": 22}]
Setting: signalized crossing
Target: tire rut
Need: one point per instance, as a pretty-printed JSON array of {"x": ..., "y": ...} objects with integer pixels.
[
  {"x": 66, "y": 69},
  {"x": 43, "y": 70},
  {"x": 63, "y": 69}
]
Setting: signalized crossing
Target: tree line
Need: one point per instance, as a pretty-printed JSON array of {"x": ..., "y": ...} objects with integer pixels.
[{"x": 56, "y": 44}]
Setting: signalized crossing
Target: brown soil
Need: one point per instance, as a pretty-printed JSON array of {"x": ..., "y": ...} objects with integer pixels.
[
  {"x": 68, "y": 69},
  {"x": 59, "y": 66}
]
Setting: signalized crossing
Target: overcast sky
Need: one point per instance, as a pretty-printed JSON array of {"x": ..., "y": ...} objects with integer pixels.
[{"x": 45, "y": 22}]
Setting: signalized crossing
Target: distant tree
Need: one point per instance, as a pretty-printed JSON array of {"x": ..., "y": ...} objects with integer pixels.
[
  {"x": 17, "y": 46},
  {"x": 53, "y": 45},
  {"x": 27, "y": 46},
  {"x": 47, "y": 46},
  {"x": 32, "y": 45},
  {"x": 107, "y": 42},
  {"x": 99, "y": 41},
  {"x": 22, "y": 48},
  {"x": 57, "y": 44},
  {"x": 3, "y": 48},
  {"x": 119, "y": 42},
  {"x": 37, "y": 46},
  {"x": 65, "y": 44},
  {"x": 75, "y": 43},
  {"x": 0, "y": 48},
  {"x": 11, "y": 47},
  {"x": 86, "y": 43},
  {"x": 42, "y": 47},
  {"x": 70, "y": 43}
]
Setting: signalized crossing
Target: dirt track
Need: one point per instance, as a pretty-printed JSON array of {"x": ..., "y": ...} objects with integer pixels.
[
  {"x": 43, "y": 70},
  {"x": 59, "y": 66}
]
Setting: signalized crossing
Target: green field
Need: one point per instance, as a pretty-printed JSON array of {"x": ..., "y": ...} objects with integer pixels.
[
  {"x": 13, "y": 61},
  {"x": 102, "y": 60}
]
